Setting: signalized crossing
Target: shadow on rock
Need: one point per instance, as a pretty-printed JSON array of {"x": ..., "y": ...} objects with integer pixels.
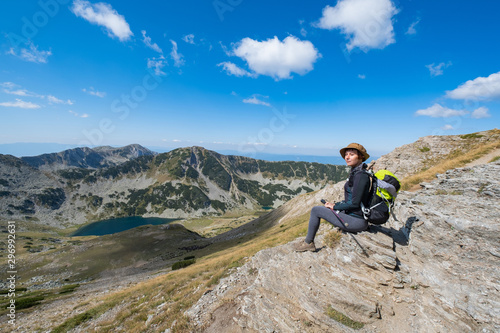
[{"x": 400, "y": 236}]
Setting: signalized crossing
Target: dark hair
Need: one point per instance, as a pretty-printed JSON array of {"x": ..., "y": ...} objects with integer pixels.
[{"x": 360, "y": 155}]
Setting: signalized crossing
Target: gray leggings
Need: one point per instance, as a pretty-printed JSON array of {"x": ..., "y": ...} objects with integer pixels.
[{"x": 350, "y": 223}]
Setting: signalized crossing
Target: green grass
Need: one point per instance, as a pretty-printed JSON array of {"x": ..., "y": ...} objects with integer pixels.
[
  {"x": 343, "y": 319},
  {"x": 69, "y": 288},
  {"x": 332, "y": 238},
  {"x": 471, "y": 136},
  {"x": 77, "y": 320},
  {"x": 25, "y": 299},
  {"x": 28, "y": 302},
  {"x": 17, "y": 290},
  {"x": 182, "y": 264}
]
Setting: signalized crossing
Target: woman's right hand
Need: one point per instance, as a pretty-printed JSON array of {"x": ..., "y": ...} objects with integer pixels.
[{"x": 329, "y": 205}]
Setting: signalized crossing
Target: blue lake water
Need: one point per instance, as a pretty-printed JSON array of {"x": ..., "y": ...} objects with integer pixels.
[{"x": 111, "y": 226}]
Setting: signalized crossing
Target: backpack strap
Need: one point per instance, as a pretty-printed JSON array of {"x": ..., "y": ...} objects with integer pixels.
[
  {"x": 373, "y": 190},
  {"x": 366, "y": 211}
]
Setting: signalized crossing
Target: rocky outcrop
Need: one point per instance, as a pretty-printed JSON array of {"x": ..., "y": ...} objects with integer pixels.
[
  {"x": 433, "y": 268},
  {"x": 23, "y": 189},
  {"x": 430, "y": 150}
]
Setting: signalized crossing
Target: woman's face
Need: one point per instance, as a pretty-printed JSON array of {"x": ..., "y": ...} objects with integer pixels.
[{"x": 352, "y": 158}]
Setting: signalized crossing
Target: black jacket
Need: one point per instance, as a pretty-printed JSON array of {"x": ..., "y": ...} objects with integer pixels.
[{"x": 356, "y": 190}]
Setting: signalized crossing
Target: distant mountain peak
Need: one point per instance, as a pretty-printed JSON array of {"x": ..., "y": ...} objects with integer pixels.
[{"x": 88, "y": 158}]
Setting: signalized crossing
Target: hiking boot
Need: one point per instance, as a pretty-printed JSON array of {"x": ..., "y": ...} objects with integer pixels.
[{"x": 303, "y": 246}]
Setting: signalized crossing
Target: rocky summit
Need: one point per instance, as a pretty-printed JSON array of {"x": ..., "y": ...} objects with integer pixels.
[{"x": 433, "y": 268}]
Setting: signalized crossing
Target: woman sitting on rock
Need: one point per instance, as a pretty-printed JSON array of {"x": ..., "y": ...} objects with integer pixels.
[{"x": 347, "y": 214}]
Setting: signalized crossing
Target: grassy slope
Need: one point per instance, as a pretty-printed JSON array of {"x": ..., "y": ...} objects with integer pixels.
[
  {"x": 178, "y": 290},
  {"x": 473, "y": 150}
]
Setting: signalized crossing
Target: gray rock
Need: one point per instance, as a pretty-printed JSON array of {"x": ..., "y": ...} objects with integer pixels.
[{"x": 434, "y": 268}]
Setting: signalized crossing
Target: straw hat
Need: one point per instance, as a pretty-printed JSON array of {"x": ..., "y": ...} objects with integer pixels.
[{"x": 358, "y": 147}]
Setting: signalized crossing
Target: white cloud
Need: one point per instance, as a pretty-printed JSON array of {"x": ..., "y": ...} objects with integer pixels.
[
  {"x": 19, "y": 92},
  {"x": 176, "y": 56},
  {"x": 104, "y": 15},
  {"x": 78, "y": 115},
  {"x": 20, "y": 104},
  {"x": 32, "y": 54},
  {"x": 437, "y": 70},
  {"x": 226, "y": 50},
  {"x": 362, "y": 76},
  {"x": 55, "y": 100},
  {"x": 481, "y": 112},
  {"x": 277, "y": 59},
  {"x": 14, "y": 89},
  {"x": 367, "y": 24},
  {"x": 255, "y": 100},
  {"x": 157, "y": 64},
  {"x": 232, "y": 69},
  {"x": 188, "y": 39},
  {"x": 9, "y": 85},
  {"x": 411, "y": 30},
  {"x": 147, "y": 41},
  {"x": 93, "y": 92},
  {"x": 447, "y": 127},
  {"x": 438, "y": 111},
  {"x": 303, "y": 31},
  {"x": 478, "y": 89}
]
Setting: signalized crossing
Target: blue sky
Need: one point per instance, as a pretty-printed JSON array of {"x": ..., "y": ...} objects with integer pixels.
[{"x": 281, "y": 77}]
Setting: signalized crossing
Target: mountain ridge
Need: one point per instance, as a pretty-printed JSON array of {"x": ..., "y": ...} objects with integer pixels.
[
  {"x": 88, "y": 158},
  {"x": 185, "y": 182}
]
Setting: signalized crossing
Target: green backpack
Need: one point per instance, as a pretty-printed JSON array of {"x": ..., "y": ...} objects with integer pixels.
[{"x": 383, "y": 191}]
